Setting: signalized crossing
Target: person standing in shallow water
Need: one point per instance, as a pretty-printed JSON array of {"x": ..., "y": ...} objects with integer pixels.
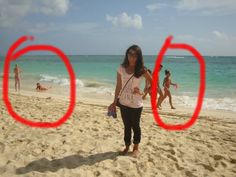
[
  {"x": 129, "y": 76},
  {"x": 17, "y": 71}
]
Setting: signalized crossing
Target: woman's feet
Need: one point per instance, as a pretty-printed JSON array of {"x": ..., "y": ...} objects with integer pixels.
[
  {"x": 135, "y": 152},
  {"x": 159, "y": 107},
  {"x": 125, "y": 151}
]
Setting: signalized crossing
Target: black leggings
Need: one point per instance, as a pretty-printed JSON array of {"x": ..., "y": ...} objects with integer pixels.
[{"x": 131, "y": 120}]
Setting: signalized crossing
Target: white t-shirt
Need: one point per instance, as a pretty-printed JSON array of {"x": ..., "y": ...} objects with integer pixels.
[{"x": 127, "y": 98}]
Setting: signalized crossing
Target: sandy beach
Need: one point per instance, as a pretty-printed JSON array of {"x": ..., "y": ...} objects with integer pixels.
[{"x": 88, "y": 143}]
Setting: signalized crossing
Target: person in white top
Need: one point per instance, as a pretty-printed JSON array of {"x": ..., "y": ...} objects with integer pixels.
[{"x": 129, "y": 77}]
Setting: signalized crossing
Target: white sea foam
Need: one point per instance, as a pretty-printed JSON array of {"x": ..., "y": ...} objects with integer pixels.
[
  {"x": 60, "y": 81},
  {"x": 175, "y": 56},
  {"x": 226, "y": 103},
  {"x": 87, "y": 86}
]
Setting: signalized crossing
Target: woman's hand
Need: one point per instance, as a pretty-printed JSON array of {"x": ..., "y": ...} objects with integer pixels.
[
  {"x": 112, "y": 106},
  {"x": 144, "y": 97},
  {"x": 137, "y": 91},
  {"x": 175, "y": 86},
  {"x": 112, "y": 110},
  {"x": 148, "y": 90}
]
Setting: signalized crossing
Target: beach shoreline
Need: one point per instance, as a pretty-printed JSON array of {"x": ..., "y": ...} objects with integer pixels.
[{"x": 106, "y": 99}]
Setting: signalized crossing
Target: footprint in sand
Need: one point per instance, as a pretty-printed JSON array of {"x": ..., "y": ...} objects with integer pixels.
[
  {"x": 2, "y": 147},
  {"x": 223, "y": 164},
  {"x": 169, "y": 144},
  {"x": 189, "y": 174},
  {"x": 95, "y": 129},
  {"x": 172, "y": 151},
  {"x": 217, "y": 164},
  {"x": 178, "y": 167},
  {"x": 172, "y": 157},
  {"x": 232, "y": 160},
  {"x": 207, "y": 167},
  {"x": 218, "y": 157},
  {"x": 2, "y": 170}
]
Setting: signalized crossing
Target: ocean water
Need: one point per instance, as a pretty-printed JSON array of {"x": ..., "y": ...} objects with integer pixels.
[{"x": 97, "y": 74}]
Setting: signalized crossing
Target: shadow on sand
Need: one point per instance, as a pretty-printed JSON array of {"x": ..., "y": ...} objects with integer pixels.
[{"x": 70, "y": 162}]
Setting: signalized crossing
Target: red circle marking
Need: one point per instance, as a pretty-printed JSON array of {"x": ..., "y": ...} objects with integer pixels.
[
  {"x": 11, "y": 56},
  {"x": 202, "y": 74}
]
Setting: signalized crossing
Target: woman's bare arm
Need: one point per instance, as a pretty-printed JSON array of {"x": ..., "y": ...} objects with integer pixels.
[
  {"x": 172, "y": 83},
  {"x": 118, "y": 87},
  {"x": 148, "y": 78}
]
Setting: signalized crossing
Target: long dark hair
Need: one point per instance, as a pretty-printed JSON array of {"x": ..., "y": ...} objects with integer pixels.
[
  {"x": 139, "y": 67},
  {"x": 167, "y": 72}
]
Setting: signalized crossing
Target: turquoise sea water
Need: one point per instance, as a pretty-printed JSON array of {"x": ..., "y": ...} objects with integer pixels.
[{"x": 97, "y": 73}]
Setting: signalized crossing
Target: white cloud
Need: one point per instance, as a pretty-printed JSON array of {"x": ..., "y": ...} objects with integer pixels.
[
  {"x": 54, "y": 7},
  {"x": 13, "y": 11},
  {"x": 126, "y": 21},
  {"x": 155, "y": 6},
  {"x": 220, "y": 35},
  {"x": 209, "y": 7}
]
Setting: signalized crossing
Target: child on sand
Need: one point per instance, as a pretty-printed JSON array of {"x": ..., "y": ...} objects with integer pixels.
[
  {"x": 166, "y": 84},
  {"x": 41, "y": 88}
]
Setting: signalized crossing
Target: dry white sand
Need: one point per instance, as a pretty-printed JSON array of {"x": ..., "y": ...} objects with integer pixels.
[{"x": 87, "y": 144}]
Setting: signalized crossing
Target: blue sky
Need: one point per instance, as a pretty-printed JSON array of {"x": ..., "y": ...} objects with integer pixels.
[{"x": 109, "y": 26}]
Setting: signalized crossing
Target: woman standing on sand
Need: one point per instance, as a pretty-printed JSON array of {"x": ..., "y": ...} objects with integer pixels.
[
  {"x": 129, "y": 76},
  {"x": 17, "y": 71}
]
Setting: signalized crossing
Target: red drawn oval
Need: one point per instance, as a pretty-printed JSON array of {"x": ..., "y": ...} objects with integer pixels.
[
  {"x": 202, "y": 73},
  {"x": 11, "y": 56}
]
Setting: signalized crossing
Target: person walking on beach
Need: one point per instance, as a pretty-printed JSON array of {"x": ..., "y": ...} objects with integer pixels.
[
  {"x": 17, "y": 71},
  {"x": 127, "y": 94},
  {"x": 147, "y": 86},
  {"x": 166, "y": 84}
]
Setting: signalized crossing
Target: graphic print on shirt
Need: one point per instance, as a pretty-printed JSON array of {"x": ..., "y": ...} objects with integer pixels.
[{"x": 127, "y": 94}]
